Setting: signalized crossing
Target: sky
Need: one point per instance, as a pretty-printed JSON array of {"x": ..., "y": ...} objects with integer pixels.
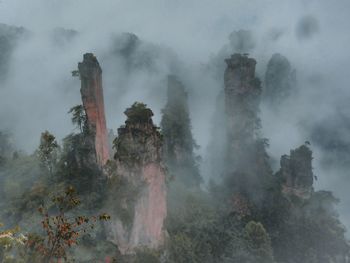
[{"x": 312, "y": 34}]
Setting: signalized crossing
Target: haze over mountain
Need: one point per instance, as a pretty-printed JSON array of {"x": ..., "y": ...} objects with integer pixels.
[{"x": 302, "y": 63}]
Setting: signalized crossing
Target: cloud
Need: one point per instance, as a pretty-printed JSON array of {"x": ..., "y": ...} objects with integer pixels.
[{"x": 182, "y": 37}]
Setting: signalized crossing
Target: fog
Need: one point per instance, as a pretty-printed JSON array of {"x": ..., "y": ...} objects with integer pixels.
[{"x": 185, "y": 38}]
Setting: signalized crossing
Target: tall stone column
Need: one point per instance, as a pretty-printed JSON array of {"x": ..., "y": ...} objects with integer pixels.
[
  {"x": 242, "y": 96},
  {"x": 247, "y": 170},
  {"x": 296, "y": 172},
  {"x": 137, "y": 191},
  {"x": 92, "y": 96}
]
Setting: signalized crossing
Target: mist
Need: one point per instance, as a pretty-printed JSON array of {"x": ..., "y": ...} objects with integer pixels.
[{"x": 182, "y": 38}]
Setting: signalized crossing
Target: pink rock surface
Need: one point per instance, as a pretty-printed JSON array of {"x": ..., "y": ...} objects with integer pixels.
[{"x": 92, "y": 96}]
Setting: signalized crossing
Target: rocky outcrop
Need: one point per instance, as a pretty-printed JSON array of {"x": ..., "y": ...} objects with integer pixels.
[
  {"x": 137, "y": 163},
  {"x": 92, "y": 95},
  {"x": 242, "y": 97},
  {"x": 280, "y": 80},
  {"x": 296, "y": 172},
  {"x": 247, "y": 170},
  {"x": 178, "y": 140}
]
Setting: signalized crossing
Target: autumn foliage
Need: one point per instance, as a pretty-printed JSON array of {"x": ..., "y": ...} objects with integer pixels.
[{"x": 61, "y": 230}]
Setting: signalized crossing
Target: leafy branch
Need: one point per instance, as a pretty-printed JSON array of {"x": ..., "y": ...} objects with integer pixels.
[{"x": 61, "y": 231}]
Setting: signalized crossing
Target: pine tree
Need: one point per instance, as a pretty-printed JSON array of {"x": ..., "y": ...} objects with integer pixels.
[{"x": 48, "y": 151}]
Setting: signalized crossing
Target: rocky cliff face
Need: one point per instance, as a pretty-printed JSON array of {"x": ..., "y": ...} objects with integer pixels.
[
  {"x": 242, "y": 97},
  {"x": 296, "y": 172},
  {"x": 92, "y": 95},
  {"x": 242, "y": 94},
  {"x": 137, "y": 163},
  {"x": 178, "y": 140},
  {"x": 247, "y": 170}
]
